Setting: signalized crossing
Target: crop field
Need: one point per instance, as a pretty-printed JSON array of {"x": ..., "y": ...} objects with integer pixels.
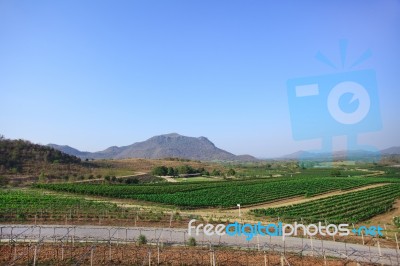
[
  {"x": 287, "y": 169},
  {"x": 22, "y": 206},
  {"x": 351, "y": 207},
  {"x": 221, "y": 194}
]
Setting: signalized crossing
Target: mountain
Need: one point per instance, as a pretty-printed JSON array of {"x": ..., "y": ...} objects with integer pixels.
[
  {"x": 391, "y": 151},
  {"x": 69, "y": 150},
  {"x": 163, "y": 146},
  {"x": 299, "y": 154}
]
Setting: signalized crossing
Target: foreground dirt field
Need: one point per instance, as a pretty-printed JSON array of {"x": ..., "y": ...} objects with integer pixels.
[{"x": 124, "y": 254}]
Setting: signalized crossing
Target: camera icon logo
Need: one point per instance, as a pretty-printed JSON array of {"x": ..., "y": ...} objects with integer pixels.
[
  {"x": 358, "y": 92},
  {"x": 332, "y": 105}
]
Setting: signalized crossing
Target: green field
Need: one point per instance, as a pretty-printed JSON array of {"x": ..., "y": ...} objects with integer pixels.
[
  {"x": 221, "y": 194},
  {"x": 287, "y": 169},
  {"x": 20, "y": 205},
  {"x": 350, "y": 207}
]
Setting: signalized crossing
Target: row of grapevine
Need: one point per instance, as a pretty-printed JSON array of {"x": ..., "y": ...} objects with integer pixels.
[
  {"x": 220, "y": 194},
  {"x": 350, "y": 207},
  {"x": 25, "y": 203},
  {"x": 33, "y": 206}
]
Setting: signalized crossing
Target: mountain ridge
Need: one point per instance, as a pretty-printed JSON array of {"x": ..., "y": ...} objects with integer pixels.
[
  {"x": 162, "y": 146},
  {"x": 395, "y": 150}
]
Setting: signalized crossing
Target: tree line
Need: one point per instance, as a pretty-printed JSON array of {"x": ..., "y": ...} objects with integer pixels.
[{"x": 186, "y": 170}]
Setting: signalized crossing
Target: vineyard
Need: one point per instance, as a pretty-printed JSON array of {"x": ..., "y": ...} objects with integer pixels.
[
  {"x": 20, "y": 206},
  {"x": 25, "y": 205},
  {"x": 220, "y": 194},
  {"x": 351, "y": 207}
]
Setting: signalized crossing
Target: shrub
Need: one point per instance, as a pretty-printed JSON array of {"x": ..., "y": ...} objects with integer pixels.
[
  {"x": 396, "y": 221},
  {"x": 3, "y": 181},
  {"x": 42, "y": 178},
  {"x": 191, "y": 242},
  {"x": 336, "y": 173},
  {"x": 142, "y": 240},
  {"x": 131, "y": 181}
]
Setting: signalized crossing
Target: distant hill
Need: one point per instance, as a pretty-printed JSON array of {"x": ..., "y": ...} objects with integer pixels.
[
  {"x": 69, "y": 150},
  {"x": 354, "y": 154},
  {"x": 391, "y": 151},
  {"x": 163, "y": 146},
  {"x": 299, "y": 154}
]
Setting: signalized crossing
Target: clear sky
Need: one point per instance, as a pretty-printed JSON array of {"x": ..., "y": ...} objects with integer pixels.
[{"x": 93, "y": 73}]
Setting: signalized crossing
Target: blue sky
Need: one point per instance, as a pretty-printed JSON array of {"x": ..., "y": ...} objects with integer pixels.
[{"x": 92, "y": 74}]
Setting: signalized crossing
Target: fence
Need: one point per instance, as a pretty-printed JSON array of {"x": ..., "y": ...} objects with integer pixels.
[{"x": 82, "y": 244}]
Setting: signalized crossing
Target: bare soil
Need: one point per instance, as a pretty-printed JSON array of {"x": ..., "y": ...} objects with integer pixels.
[
  {"x": 132, "y": 254},
  {"x": 387, "y": 218}
]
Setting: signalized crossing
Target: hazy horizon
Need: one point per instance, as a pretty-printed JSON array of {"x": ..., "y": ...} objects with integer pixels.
[
  {"x": 338, "y": 148},
  {"x": 95, "y": 74}
]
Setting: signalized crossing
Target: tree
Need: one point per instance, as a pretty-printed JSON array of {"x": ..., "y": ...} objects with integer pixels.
[
  {"x": 231, "y": 172},
  {"x": 160, "y": 170},
  {"x": 171, "y": 171},
  {"x": 216, "y": 172},
  {"x": 200, "y": 170},
  {"x": 186, "y": 169},
  {"x": 206, "y": 173}
]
